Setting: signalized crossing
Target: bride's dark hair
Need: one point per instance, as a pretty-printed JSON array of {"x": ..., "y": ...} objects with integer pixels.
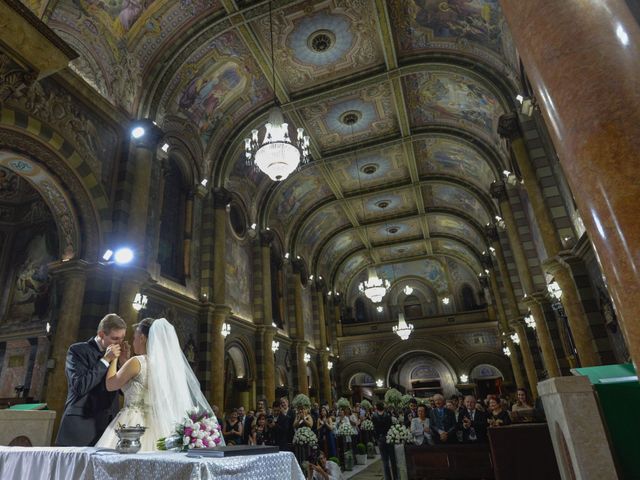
[{"x": 144, "y": 326}]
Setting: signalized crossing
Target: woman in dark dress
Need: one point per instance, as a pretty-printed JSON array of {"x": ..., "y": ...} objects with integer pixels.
[
  {"x": 497, "y": 416},
  {"x": 326, "y": 436},
  {"x": 259, "y": 432},
  {"x": 233, "y": 429}
]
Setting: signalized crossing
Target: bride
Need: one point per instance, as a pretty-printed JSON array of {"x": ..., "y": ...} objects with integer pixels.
[{"x": 158, "y": 385}]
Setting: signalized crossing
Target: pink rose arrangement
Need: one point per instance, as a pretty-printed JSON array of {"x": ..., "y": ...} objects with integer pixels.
[{"x": 197, "y": 430}]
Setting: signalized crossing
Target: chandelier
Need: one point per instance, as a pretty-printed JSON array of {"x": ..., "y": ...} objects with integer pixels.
[
  {"x": 408, "y": 290},
  {"x": 530, "y": 321},
  {"x": 374, "y": 287},
  {"x": 277, "y": 155},
  {"x": 403, "y": 329}
]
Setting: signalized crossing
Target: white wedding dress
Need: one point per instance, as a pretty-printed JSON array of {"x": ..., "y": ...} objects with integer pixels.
[{"x": 136, "y": 411}]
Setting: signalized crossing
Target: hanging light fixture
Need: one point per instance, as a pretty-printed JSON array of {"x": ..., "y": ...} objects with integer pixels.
[
  {"x": 506, "y": 351},
  {"x": 515, "y": 338},
  {"x": 403, "y": 329},
  {"x": 375, "y": 288},
  {"x": 277, "y": 155},
  {"x": 275, "y": 346},
  {"x": 555, "y": 290},
  {"x": 225, "y": 330},
  {"x": 530, "y": 321},
  {"x": 408, "y": 290}
]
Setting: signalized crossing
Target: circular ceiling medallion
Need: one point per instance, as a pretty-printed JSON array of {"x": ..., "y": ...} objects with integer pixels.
[
  {"x": 350, "y": 117},
  {"x": 321, "y": 41},
  {"x": 369, "y": 169},
  {"x": 383, "y": 204},
  {"x": 393, "y": 230}
]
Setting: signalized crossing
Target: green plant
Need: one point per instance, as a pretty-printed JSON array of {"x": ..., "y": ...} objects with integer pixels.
[
  {"x": 335, "y": 460},
  {"x": 361, "y": 448}
]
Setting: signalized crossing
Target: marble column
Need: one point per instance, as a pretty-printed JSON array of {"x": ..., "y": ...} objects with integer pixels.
[
  {"x": 72, "y": 281},
  {"x": 133, "y": 280},
  {"x": 527, "y": 357},
  {"x": 514, "y": 358},
  {"x": 499, "y": 191},
  {"x": 590, "y": 103},
  {"x": 582, "y": 336},
  {"x": 300, "y": 343},
  {"x": 267, "y": 386},
  {"x": 302, "y": 380},
  {"x": 219, "y": 316},
  {"x": 338, "y": 323},
  {"x": 325, "y": 391}
]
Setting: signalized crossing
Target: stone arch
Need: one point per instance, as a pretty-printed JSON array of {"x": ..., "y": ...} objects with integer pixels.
[
  {"x": 487, "y": 358},
  {"x": 243, "y": 347},
  {"x": 355, "y": 368},
  {"x": 44, "y": 148},
  {"x": 422, "y": 366}
]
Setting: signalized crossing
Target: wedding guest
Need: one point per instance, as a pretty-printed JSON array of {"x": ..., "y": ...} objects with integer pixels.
[
  {"x": 303, "y": 418},
  {"x": 259, "y": 431},
  {"x": 420, "y": 428},
  {"x": 247, "y": 426},
  {"x": 233, "y": 429},
  {"x": 381, "y": 425},
  {"x": 497, "y": 416},
  {"x": 522, "y": 410},
  {"x": 323, "y": 469},
  {"x": 326, "y": 434},
  {"x": 283, "y": 425},
  {"x": 472, "y": 422},
  {"x": 411, "y": 412},
  {"x": 442, "y": 421}
]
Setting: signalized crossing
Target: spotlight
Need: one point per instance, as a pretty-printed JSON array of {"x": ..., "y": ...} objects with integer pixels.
[
  {"x": 253, "y": 226},
  {"x": 107, "y": 255},
  {"x": 446, "y": 300},
  {"x": 286, "y": 256},
  {"x": 464, "y": 378},
  {"x": 519, "y": 98},
  {"x": 137, "y": 132},
  {"x": 204, "y": 182},
  {"x": 123, "y": 256},
  {"x": 165, "y": 147}
]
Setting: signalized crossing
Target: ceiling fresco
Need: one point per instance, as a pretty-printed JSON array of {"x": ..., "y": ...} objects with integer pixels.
[
  {"x": 447, "y": 156},
  {"x": 315, "y": 42},
  {"x": 371, "y": 108},
  {"x": 369, "y": 169},
  {"x": 452, "y": 97},
  {"x": 369, "y": 81}
]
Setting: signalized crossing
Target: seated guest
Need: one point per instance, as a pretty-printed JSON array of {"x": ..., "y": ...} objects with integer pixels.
[
  {"x": 472, "y": 422},
  {"x": 323, "y": 469},
  {"x": 497, "y": 416},
  {"x": 232, "y": 432},
  {"x": 522, "y": 410},
  {"x": 420, "y": 427},
  {"x": 442, "y": 421}
]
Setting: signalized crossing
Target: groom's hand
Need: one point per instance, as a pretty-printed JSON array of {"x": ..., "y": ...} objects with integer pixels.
[
  {"x": 112, "y": 352},
  {"x": 125, "y": 353}
]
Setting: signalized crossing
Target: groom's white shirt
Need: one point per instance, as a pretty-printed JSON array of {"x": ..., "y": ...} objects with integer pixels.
[{"x": 95, "y": 339}]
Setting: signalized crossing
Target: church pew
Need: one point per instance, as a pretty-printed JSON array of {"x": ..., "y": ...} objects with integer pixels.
[{"x": 455, "y": 461}]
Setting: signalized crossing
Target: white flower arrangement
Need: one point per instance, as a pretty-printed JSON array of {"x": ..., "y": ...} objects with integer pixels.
[
  {"x": 405, "y": 399},
  {"x": 196, "y": 430},
  {"x": 398, "y": 435},
  {"x": 394, "y": 420},
  {"x": 345, "y": 430},
  {"x": 393, "y": 397},
  {"x": 367, "y": 425},
  {"x": 301, "y": 400},
  {"x": 343, "y": 403},
  {"x": 366, "y": 404},
  {"x": 305, "y": 436}
]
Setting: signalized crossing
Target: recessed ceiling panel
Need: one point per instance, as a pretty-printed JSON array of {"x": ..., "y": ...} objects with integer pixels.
[
  {"x": 392, "y": 231},
  {"x": 383, "y": 204},
  {"x": 409, "y": 249}
]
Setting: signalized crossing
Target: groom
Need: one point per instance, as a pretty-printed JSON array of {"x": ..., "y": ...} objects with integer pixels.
[{"x": 90, "y": 407}]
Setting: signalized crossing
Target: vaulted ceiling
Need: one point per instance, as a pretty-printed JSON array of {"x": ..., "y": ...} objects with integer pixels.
[{"x": 406, "y": 186}]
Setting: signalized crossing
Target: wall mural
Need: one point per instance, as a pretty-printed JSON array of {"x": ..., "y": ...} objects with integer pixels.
[
  {"x": 451, "y": 157},
  {"x": 446, "y": 246},
  {"x": 449, "y": 224},
  {"x": 409, "y": 249},
  {"x": 307, "y": 316},
  {"x": 336, "y": 39},
  {"x": 461, "y": 274},
  {"x": 452, "y": 98},
  {"x": 375, "y": 112},
  {"x": 394, "y": 230},
  {"x": 345, "y": 271},
  {"x": 396, "y": 203},
  {"x": 318, "y": 226},
  {"x": 360, "y": 171},
  {"x": 453, "y": 196},
  {"x": 238, "y": 277}
]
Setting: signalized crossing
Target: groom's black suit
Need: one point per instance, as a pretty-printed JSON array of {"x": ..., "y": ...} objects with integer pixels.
[{"x": 89, "y": 407}]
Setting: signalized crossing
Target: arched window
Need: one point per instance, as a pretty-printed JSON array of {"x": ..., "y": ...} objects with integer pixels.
[
  {"x": 412, "y": 307},
  {"x": 361, "y": 310},
  {"x": 171, "y": 245},
  {"x": 468, "y": 299}
]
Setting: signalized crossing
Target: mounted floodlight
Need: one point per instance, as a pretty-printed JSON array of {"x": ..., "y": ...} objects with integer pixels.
[
  {"x": 107, "y": 255},
  {"x": 138, "y": 132},
  {"x": 165, "y": 147},
  {"x": 464, "y": 378},
  {"x": 446, "y": 300},
  {"x": 379, "y": 383},
  {"x": 204, "y": 182},
  {"x": 123, "y": 256}
]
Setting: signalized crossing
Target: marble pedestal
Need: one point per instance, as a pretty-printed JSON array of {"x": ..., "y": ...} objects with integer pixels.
[
  {"x": 35, "y": 425},
  {"x": 577, "y": 431}
]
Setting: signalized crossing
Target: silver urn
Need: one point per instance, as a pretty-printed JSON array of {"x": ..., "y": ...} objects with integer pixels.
[{"x": 129, "y": 438}]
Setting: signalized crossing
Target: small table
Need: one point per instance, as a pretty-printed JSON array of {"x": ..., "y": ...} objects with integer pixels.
[{"x": 23, "y": 463}]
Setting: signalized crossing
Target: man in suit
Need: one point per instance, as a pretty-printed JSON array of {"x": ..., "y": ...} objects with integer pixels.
[
  {"x": 90, "y": 407},
  {"x": 283, "y": 425},
  {"x": 443, "y": 421},
  {"x": 381, "y": 425},
  {"x": 472, "y": 422}
]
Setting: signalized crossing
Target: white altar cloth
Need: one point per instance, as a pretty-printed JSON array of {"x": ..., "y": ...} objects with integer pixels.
[{"x": 35, "y": 463}]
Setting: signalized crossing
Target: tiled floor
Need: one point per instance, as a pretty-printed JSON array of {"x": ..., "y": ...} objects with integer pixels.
[{"x": 373, "y": 471}]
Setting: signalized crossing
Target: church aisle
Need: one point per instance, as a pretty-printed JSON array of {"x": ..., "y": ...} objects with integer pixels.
[{"x": 371, "y": 472}]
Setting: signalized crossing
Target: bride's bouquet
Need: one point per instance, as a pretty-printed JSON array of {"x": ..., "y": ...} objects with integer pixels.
[{"x": 196, "y": 430}]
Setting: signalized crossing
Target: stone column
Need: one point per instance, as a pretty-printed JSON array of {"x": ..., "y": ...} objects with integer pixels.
[
  {"x": 267, "y": 385},
  {"x": 514, "y": 358},
  {"x": 587, "y": 353},
  {"x": 300, "y": 343},
  {"x": 132, "y": 280},
  {"x": 302, "y": 381},
  {"x": 590, "y": 103},
  {"x": 325, "y": 391},
  {"x": 72, "y": 278},
  {"x": 221, "y": 312},
  {"x": 499, "y": 191},
  {"x": 336, "y": 316},
  {"x": 529, "y": 365}
]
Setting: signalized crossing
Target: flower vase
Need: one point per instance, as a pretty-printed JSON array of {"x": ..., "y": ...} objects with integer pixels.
[
  {"x": 361, "y": 459},
  {"x": 371, "y": 450},
  {"x": 302, "y": 452},
  {"x": 341, "y": 447},
  {"x": 348, "y": 460},
  {"x": 400, "y": 463}
]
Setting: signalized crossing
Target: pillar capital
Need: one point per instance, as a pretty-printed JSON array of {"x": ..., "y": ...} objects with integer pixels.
[
  {"x": 221, "y": 197},
  {"x": 266, "y": 238},
  {"x": 498, "y": 191},
  {"x": 491, "y": 231},
  {"x": 69, "y": 268},
  {"x": 509, "y": 127}
]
